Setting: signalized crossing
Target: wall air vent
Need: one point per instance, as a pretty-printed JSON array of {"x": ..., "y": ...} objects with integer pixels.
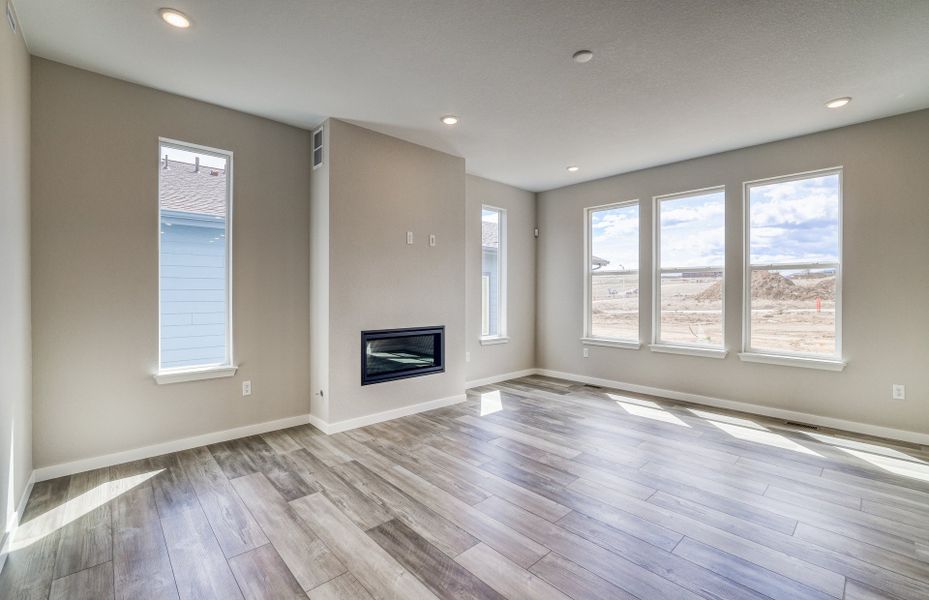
[
  {"x": 317, "y": 148},
  {"x": 803, "y": 425}
]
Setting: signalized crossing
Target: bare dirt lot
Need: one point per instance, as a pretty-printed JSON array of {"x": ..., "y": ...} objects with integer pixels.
[{"x": 795, "y": 314}]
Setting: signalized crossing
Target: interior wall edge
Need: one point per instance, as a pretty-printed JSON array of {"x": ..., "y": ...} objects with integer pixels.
[{"x": 17, "y": 517}]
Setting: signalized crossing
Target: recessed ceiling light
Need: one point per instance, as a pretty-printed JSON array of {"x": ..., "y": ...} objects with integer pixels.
[
  {"x": 573, "y": 169},
  {"x": 450, "y": 120},
  {"x": 174, "y": 18},
  {"x": 582, "y": 56},
  {"x": 838, "y": 102}
]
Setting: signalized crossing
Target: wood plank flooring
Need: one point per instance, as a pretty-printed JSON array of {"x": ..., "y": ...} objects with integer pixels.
[{"x": 534, "y": 488}]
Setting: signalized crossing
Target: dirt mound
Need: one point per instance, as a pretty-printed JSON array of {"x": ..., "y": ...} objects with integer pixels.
[{"x": 774, "y": 286}]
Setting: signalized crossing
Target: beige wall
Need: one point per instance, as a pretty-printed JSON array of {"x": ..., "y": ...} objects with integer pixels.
[
  {"x": 15, "y": 353},
  {"x": 95, "y": 267},
  {"x": 519, "y": 352},
  {"x": 886, "y": 280},
  {"x": 380, "y": 188}
]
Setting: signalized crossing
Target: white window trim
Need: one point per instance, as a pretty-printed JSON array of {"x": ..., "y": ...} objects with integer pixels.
[
  {"x": 501, "y": 336},
  {"x": 686, "y": 349},
  {"x": 199, "y": 372},
  {"x": 787, "y": 360},
  {"x": 833, "y": 362},
  {"x": 193, "y": 374},
  {"x": 608, "y": 343},
  {"x": 587, "y": 337},
  {"x": 659, "y": 345}
]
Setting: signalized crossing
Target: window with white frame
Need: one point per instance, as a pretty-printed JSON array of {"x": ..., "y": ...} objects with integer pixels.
[
  {"x": 793, "y": 272},
  {"x": 194, "y": 210},
  {"x": 690, "y": 254},
  {"x": 493, "y": 272},
  {"x": 612, "y": 267}
]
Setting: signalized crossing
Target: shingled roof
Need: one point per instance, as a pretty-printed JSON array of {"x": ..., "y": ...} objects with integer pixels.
[{"x": 184, "y": 189}]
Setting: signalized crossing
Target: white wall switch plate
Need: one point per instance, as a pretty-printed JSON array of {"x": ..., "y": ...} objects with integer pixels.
[
  {"x": 409, "y": 237},
  {"x": 898, "y": 391},
  {"x": 246, "y": 388},
  {"x": 467, "y": 357},
  {"x": 432, "y": 239},
  {"x": 586, "y": 352}
]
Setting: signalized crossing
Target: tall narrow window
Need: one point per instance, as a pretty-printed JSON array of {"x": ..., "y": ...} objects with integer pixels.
[
  {"x": 794, "y": 265},
  {"x": 493, "y": 273},
  {"x": 612, "y": 311},
  {"x": 194, "y": 202},
  {"x": 690, "y": 239}
]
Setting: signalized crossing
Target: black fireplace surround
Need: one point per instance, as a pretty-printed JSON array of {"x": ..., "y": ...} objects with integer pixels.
[{"x": 389, "y": 354}]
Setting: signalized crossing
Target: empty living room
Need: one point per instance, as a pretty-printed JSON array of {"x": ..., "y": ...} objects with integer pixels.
[{"x": 464, "y": 299}]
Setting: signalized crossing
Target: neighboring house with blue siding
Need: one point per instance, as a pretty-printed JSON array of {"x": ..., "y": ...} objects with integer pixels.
[
  {"x": 192, "y": 201},
  {"x": 490, "y": 250}
]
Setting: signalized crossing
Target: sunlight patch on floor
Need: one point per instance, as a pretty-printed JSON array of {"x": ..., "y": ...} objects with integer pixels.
[
  {"x": 905, "y": 468},
  {"x": 491, "y": 402},
  {"x": 722, "y": 418},
  {"x": 631, "y": 400},
  {"x": 648, "y": 410},
  {"x": 32, "y": 531},
  {"x": 843, "y": 444},
  {"x": 768, "y": 438}
]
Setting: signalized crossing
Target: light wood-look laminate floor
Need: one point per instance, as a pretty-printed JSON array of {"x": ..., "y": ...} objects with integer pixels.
[{"x": 534, "y": 488}]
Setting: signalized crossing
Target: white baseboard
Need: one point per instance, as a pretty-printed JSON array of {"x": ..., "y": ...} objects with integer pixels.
[
  {"x": 106, "y": 460},
  {"x": 755, "y": 409},
  {"x": 14, "y": 520},
  {"x": 498, "y": 378},
  {"x": 318, "y": 423},
  {"x": 387, "y": 415}
]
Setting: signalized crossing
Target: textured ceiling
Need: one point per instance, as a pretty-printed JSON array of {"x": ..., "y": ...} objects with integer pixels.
[{"x": 670, "y": 80}]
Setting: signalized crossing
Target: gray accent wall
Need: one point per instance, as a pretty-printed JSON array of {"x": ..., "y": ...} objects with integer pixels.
[
  {"x": 886, "y": 279},
  {"x": 95, "y": 267},
  {"x": 15, "y": 341},
  {"x": 519, "y": 352}
]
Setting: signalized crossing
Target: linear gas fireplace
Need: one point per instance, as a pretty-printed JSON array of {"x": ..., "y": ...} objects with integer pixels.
[{"x": 389, "y": 354}]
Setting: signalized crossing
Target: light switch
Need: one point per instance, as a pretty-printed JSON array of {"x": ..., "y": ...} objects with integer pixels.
[
  {"x": 409, "y": 237},
  {"x": 432, "y": 239}
]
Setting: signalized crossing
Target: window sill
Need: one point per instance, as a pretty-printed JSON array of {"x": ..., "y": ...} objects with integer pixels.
[
  {"x": 179, "y": 376},
  {"x": 491, "y": 341},
  {"x": 689, "y": 350},
  {"x": 611, "y": 343},
  {"x": 824, "y": 364}
]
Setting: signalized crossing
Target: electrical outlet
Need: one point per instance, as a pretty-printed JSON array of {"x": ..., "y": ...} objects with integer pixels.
[
  {"x": 586, "y": 352},
  {"x": 898, "y": 391},
  {"x": 246, "y": 388},
  {"x": 467, "y": 357}
]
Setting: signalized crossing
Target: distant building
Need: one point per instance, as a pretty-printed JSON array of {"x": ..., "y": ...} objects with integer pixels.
[
  {"x": 490, "y": 250},
  {"x": 597, "y": 263},
  {"x": 192, "y": 199}
]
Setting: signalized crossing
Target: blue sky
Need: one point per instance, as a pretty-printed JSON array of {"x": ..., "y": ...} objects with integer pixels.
[
  {"x": 793, "y": 221},
  {"x": 615, "y": 236},
  {"x": 693, "y": 231}
]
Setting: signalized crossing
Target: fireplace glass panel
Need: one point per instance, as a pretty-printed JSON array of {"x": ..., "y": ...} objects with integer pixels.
[{"x": 397, "y": 354}]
